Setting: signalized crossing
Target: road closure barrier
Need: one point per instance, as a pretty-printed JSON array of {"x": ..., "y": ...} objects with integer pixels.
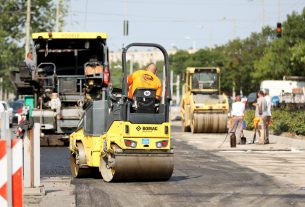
[
  {"x": 11, "y": 166},
  {"x": 15, "y": 177},
  {"x": 3, "y": 174}
]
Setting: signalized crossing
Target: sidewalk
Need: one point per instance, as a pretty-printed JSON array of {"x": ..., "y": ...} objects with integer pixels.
[
  {"x": 282, "y": 159},
  {"x": 58, "y": 192},
  {"x": 217, "y": 142},
  {"x": 286, "y": 142}
]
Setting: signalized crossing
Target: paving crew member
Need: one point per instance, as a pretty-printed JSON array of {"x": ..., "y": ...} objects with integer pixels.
[
  {"x": 29, "y": 60},
  {"x": 238, "y": 109},
  {"x": 145, "y": 79},
  {"x": 261, "y": 112},
  {"x": 30, "y": 64}
]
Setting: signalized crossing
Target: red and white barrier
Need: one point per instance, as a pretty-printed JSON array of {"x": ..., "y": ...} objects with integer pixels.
[
  {"x": 3, "y": 174},
  {"x": 16, "y": 173}
]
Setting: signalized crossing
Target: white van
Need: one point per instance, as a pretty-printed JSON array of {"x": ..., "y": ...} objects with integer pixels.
[{"x": 278, "y": 87}]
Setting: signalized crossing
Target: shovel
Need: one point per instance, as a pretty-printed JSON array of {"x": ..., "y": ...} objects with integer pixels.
[{"x": 254, "y": 136}]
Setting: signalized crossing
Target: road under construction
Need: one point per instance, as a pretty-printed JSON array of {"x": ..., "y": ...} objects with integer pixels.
[
  {"x": 204, "y": 175},
  {"x": 125, "y": 151}
]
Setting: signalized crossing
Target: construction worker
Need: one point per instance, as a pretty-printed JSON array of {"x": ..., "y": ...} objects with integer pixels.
[
  {"x": 237, "y": 113},
  {"x": 145, "y": 79},
  {"x": 30, "y": 64},
  {"x": 261, "y": 112},
  {"x": 29, "y": 60}
]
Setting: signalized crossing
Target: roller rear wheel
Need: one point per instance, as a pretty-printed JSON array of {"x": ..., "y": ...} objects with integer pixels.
[
  {"x": 137, "y": 167},
  {"x": 209, "y": 123},
  {"x": 78, "y": 164}
]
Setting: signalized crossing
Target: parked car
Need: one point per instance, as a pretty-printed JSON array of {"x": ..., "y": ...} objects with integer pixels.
[
  {"x": 17, "y": 109},
  {"x": 7, "y": 108}
]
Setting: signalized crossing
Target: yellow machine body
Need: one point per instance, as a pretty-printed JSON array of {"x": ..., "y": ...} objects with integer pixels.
[
  {"x": 69, "y": 35},
  {"x": 95, "y": 146},
  {"x": 202, "y": 108},
  {"x": 125, "y": 139},
  {"x": 144, "y": 161}
]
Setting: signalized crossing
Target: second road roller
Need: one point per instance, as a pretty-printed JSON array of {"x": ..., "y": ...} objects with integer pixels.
[
  {"x": 122, "y": 138},
  {"x": 203, "y": 109}
]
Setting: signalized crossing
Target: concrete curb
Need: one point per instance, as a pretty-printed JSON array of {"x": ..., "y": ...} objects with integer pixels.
[
  {"x": 40, "y": 191},
  {"x": 291, "y": 142}
]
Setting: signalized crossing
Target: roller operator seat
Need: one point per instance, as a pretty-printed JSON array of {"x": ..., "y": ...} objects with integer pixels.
[{"x": 144, "y": 100}]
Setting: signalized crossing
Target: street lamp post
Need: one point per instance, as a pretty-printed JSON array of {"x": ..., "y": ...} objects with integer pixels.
[
  {"x": 233, "y": 20},
  {"x": 27, "y": 26},
  {"x": 193, "y": 41}
]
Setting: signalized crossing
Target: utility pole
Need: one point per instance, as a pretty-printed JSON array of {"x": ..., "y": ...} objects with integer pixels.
[
  {"x": 177, "y": 86},
  {"x": 57, "y": 16},
  {"x": 86, "y": 13},
  {"x": 193, "y": 42},
  {"x": 233, "y": 91},
  {"x": 163, "y": 83},
  {"x": 210, "y": 37},
  {"x": 171, "y": 79},
  {"x": 1, "y": 88},
  {"x": 27, "y": 27},
  {"x": 178, "y": 90},
  {"x": 279, "y": 10},
  {"x": 234, "y": 30},
  {"x": 263, "y": 12},
  {"x": 125, "y": 22},
  {"x": 131, "y": 63}
]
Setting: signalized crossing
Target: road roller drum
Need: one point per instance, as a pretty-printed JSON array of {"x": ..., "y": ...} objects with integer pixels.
[
  {"x": 209, "y": 123},
  {"x": 137, "y": 167}
]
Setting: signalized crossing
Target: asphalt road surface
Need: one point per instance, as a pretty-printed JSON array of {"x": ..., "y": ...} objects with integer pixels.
[{"x": 200, "y": 178}]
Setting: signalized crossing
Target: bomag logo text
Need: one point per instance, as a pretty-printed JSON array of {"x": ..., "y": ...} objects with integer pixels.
[
  {"x": 147, "y": 77},
  {"x": 150, "y": 128}
]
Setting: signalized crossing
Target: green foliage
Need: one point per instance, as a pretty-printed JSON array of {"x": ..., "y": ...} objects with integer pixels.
[
  {"x": 282, "y": 121},
  {"x": 279, "y": 127},
  {"x": 12, "y": 32},
  {"x": 249, "y": 116},
  {"x": 298, "y": 55},
  {"x": 117, "y": 72},
  {"x": 284, "y": 56},
  {"x": 246, "y": 62},
  {"x": 178, "y": 61},
  {"x": 275, "y": 62},
  {"x": 261, "y": 56}
]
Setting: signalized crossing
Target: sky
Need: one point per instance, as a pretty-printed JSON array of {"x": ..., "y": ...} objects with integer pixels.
[{"x": 177, "y": 23}]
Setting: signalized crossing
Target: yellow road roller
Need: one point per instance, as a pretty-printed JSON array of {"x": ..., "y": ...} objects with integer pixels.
[
  {"x": 203, "y": 109},
  {"x": 122, "y": 138}
]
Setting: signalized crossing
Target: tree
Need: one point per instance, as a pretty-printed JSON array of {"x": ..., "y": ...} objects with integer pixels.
[
  {"x": 298, "y": 57},
  {"x": 284, "y": 56},
  {"x": 294, "y": 28},
  {"x": 177, "y": 61},
  {"x": 261, "y": 56},
  {"x": 274, "y": 64},
  {"x": 12, "y": 24}
]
